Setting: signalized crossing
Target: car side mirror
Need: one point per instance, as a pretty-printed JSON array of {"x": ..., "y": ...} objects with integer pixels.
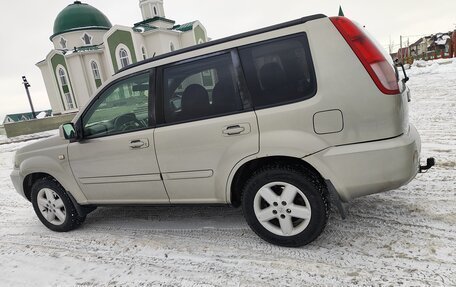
[{"x": 67, "y": 131}]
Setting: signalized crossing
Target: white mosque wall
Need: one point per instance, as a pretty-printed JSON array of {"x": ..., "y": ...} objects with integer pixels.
[
  {"x": 87, "y": 59},
  {"x": 138, "y": 42},
  {"x": 105, "y": 66},
  {"x": 188, "y": 38},
  {"x": 78, "y": 77},
  {"x": 159, "y": 42},
  {"x": 51, "y": 87},
  {"x": 152, "y": 45}
]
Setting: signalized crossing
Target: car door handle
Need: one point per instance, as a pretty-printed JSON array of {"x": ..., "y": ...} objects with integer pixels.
[
  {"x": 137, "y": 144},
  {"x": 233, "y": 130}
]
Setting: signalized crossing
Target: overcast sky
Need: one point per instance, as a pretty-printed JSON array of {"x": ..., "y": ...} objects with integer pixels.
[{"x": 27, "y": 25}]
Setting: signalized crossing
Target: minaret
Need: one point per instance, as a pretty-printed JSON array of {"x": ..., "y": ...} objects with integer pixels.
[{"x": 151, "y": 9}]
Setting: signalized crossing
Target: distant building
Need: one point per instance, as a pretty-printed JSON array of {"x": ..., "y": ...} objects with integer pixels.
[
  {"x": 420, "y": 47},
  {"x": 440, "y": 45},
  {"x": 453, "y": 44},
  {"x": 14, "y": 118},
  {"x": 88, "y": 50},
  {"x": 402, "y": 54}
]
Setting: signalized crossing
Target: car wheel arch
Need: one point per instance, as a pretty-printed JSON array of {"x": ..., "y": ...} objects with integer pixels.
[
  {"x": 246, "y": 169},
  {"x": 30, "y": 179},
  {"x": 37, "y": 167}
]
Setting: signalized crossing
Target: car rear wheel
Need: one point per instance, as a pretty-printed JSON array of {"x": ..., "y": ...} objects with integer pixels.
[
  {"x": 286, "y": 205},
  {"x": 54, "y": 207}
]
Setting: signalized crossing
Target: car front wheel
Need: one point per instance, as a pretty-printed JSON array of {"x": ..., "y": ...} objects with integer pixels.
[
  {"x": 286, "y": 205},
  {"x": 54, "y": 207}
]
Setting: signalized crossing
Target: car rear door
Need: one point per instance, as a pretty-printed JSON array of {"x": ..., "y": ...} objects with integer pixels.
[{"x": 206, "y": 126}]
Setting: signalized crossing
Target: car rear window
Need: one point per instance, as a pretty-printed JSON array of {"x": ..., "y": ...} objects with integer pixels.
[{"x": 279, "y": 71}]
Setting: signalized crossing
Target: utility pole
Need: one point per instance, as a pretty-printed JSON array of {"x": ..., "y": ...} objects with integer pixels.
[
  {"x": 408, "y": 47},
  {"x": 27, "y": 86},
  {"x": 402, "y": 56},
  {"x": 389, "y": 46}
]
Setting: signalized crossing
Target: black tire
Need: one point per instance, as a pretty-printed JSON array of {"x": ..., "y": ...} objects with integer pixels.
[
  {"x": 308, "y": 183},
  {"x": 71, "y": 220}
]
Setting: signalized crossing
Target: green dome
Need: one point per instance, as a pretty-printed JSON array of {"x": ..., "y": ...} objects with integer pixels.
[{"x": 80, "y": 16}]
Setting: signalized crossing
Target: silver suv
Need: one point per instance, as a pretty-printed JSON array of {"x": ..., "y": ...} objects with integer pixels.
[{"x": 277, "y": 120}]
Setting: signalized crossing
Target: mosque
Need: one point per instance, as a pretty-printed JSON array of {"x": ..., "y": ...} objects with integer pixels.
[{"x": 88, "y": 49}]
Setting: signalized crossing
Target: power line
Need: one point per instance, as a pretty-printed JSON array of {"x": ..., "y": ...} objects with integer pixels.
[{"x": 422, "y": 35}]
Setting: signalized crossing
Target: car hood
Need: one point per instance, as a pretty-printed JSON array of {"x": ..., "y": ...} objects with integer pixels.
[{"x": 43, "y": 145}]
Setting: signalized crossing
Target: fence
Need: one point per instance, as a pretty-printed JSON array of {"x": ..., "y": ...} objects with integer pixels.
[
  {"x": 36, "y": 126},
  {"x": 432, "y": 55}
]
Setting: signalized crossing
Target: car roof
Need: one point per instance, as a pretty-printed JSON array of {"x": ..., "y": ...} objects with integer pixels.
[{"x": 224, "y": 40}]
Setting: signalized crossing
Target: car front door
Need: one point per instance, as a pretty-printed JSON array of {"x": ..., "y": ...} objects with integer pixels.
[
  {"x": 206, "y": 127},
  {"x": 115, "y": 160}
]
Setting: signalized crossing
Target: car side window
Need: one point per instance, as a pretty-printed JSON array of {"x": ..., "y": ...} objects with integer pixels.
[
  {"x": 200, "y": 89},
  {"x": 124, "y": 107},
  {"x": 279, "y": 71}
]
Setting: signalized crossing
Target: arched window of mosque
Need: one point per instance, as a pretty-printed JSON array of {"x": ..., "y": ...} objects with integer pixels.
[
  {"x": 66, "y": 89},
  {"x": 95, "y": 70},
  {"x": 171, "y": 46},
  {"x": 87, "y": 39},
  {"x": 155, "y": 11},
  {"x": 63, "y": 79},
  {"x": 124, "y": 59}
]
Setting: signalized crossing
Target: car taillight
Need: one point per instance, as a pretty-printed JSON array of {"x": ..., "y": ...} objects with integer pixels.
[{"x": 380, "y": 70}]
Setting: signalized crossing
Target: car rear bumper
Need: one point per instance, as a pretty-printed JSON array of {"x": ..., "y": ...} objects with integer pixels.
[{"x": 361, "y": 169}]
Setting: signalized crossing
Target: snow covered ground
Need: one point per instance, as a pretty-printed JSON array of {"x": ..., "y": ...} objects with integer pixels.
[{"x": 404, "y": 237}]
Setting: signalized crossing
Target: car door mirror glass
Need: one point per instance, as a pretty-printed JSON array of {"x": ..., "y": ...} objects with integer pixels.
[{"x": 68, "y": 131}]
